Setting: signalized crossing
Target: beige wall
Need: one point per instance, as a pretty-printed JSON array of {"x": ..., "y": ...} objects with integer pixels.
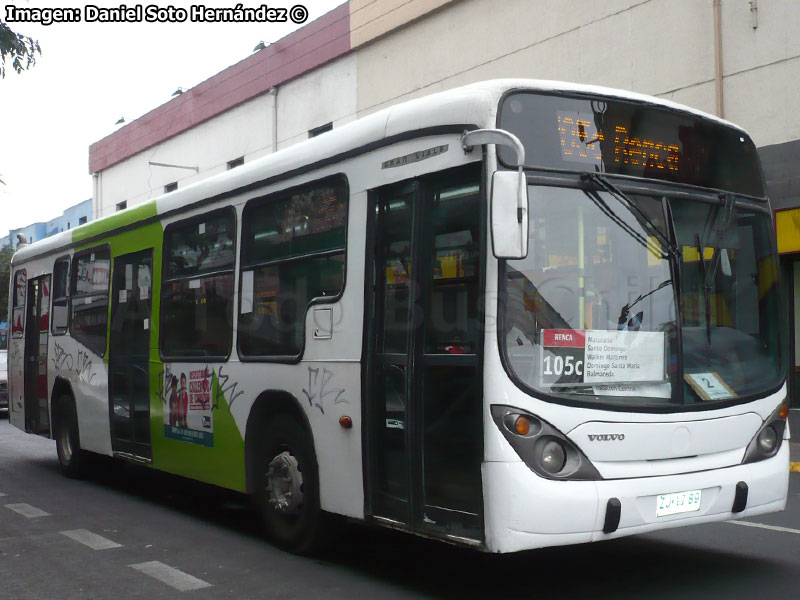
[
  {"x": 762, "y": 69},
  {"x": 659, "y": 47},
  {"x": 370, "y": 19},
  {"x": 620, "y": 43}
]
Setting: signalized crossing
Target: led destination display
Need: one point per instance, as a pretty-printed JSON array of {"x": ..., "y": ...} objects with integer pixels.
[
  {"x": 582, "y": 142},
  {"x": 621, "y": 137}
]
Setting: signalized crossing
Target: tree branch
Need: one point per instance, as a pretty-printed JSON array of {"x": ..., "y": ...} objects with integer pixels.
[{"x": 19, "y": 49}]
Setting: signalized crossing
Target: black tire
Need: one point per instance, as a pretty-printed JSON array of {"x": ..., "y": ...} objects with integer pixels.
[
  {"x": 68, "y": 440},
  {"x": 302, "y": 527}
]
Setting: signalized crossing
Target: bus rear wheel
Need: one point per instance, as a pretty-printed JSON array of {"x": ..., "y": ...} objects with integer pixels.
[
  {"x": 287, "y": 489},
  {"x": 68, "y": 442}
]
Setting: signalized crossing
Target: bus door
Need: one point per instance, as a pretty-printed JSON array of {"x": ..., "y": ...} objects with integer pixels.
[
  {"x": 37, "y": 328},
  {"x": 423, "y": 396},
  {"x": 129, "y": 353}
]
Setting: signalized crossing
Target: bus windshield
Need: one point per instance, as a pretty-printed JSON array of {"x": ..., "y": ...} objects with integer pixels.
[{"x": 600, "y": 311}]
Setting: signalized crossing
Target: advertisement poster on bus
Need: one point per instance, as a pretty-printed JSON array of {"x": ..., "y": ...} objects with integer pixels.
[
  {"x": 613, "y": 362},
  {"x": 187, "y": 405},
  {"x": 18, "y": 312}
]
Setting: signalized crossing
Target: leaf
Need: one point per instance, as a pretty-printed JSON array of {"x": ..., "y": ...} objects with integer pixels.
[{"x": 20, "y": 49}]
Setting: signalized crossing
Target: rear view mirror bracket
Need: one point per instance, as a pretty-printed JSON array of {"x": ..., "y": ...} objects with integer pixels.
[{"x": 509, "y": 240}]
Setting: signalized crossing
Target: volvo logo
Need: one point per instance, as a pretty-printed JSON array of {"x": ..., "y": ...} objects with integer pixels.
[{"x": 606, "y": 437}]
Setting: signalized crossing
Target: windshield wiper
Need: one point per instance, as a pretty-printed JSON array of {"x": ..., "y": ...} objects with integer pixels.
[
  {"x": 722, "y": 231},
  {"x": 612, "y": 216},
  {"x": 706, "y": 286},
  {"x": 601, "y": 181},
  {"x": 625, "y": 311},
  {"x": 710, "y": 270}
]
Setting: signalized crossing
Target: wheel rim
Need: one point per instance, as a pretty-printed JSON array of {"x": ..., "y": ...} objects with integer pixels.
[
  {"x": 66, "y": 444},
  {"x": 285, "y": 484}
]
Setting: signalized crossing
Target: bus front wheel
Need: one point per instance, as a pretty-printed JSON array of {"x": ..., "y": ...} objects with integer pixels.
[
  {"x": 287, "y": 491},
  {"x": 68, "y": 441}
]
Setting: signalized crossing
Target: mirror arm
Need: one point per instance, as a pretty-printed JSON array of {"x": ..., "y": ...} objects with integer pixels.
[
  {"x": 479, "y": 137},
  {"x": 500, "y": 137},
  {"x": 520, "y": 195}
]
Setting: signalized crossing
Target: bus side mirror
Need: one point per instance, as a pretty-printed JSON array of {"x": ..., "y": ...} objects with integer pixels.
[
  {"x": 509, "y": 194},
  {"x": 509, "y": 214}
]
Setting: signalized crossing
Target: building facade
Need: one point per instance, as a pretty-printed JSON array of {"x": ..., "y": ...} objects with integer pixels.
[
  {"x": 733, "y": 58},
  {"x": 74, "y": 216},
  {"x": 33, "y": 232}
]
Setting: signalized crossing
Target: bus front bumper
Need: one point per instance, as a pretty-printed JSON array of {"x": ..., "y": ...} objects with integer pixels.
[{"x": 524, "y": 511}]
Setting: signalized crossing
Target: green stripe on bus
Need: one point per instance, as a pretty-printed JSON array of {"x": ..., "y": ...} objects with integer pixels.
[
  {"x": 112, "y": 222},
  {"x": 220, "y": 463}
]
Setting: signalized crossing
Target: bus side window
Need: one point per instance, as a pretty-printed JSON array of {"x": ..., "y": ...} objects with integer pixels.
[
  {"x": 18, "y": 306},
  {"x": 197, "y": 288},
  {"x": 294, "y": 251},
  {"x": 61, "y": 296},
  {"x": 90, "y": 278}
]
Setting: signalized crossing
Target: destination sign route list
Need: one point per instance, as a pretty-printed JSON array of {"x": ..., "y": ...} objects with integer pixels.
[{"x": 577, "y": 356}]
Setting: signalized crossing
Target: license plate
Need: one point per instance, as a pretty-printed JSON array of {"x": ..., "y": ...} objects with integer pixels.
[{"x": 680, "y": 502}]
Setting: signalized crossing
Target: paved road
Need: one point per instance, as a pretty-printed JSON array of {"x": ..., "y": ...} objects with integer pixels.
[{"x": 157, "y": 534}]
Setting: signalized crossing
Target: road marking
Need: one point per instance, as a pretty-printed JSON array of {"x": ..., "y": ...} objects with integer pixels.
[
  {"x": 87, "y": 538},
  {"x": 1, "y": 494},
  {"x": 26, "y": 510},
  {"x": 183, "y": 582},
  {"x": 795, "y": 466},
  {"x": 763, "y": 526}
]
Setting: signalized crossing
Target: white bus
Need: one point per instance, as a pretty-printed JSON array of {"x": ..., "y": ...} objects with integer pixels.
[{"x": 511, "y": 315}]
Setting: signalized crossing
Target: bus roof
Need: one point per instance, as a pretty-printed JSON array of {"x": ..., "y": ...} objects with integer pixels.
[{"x": 470, "y": 105}]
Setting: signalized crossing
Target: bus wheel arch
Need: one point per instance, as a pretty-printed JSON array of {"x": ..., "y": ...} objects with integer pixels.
[
  {"x": 283, "y": 473},
  {"x": 62, "y": 389},
  {"x": 267, "y": 406},
  {"x": 71, "y": 457}
]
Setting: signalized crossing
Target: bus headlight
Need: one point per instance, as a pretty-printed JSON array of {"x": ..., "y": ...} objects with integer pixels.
[
  {"x": 553, "y": 457},
  {"x": 545, "y": 450},
  {"x": 767, "y": 441}
]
